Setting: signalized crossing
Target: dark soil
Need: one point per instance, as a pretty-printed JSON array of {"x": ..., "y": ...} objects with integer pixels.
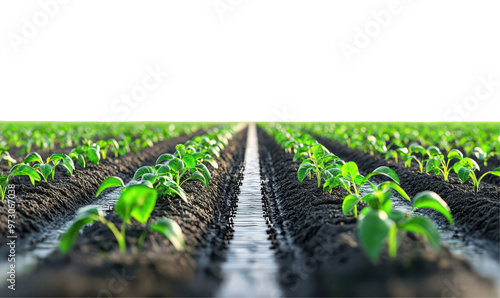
[
  {"x": 94, "y": 267},
  {"x": 40, "y": 205},
  {"x": 320, "y": 254},
  {"x": 477, "y": 214}
]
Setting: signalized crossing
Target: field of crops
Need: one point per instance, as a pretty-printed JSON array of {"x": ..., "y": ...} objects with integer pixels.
[{"x": 242, "y": 209}]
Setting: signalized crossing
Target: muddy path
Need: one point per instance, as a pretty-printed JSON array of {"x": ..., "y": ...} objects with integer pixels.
[
  {"x": 94, "y": 267},
  {"x": 40, "y": 205},
  {"x": 476, "y": 214},
  {"x": 320, "y": 254}
]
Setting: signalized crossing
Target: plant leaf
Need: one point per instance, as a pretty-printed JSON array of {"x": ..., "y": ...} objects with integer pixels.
[
  {"x": 373, "y": 230},
  {"x": 143, "y": 170},
  {"x": 33, "y": 156},
  {"x": 110, "y": 182},
  {"x": 429, "y": 199},
  {"x": 350, "y": 201},
  {"x": 386, "y": 171},
  {"x": 304, "y": 170},
  {"x": 85, "y": 216},
  {"x": 425, "y": 227},
  {"x": 136, "y": 201},
  {"x": 164, "y": 157},
  {"x": 171, "y": 230}
]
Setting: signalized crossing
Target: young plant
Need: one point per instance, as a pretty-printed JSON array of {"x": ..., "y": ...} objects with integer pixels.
[
  {"x": 4, "y": 155},
  {"x": 408, "y": 155},
  {"x": 437, "y": 163},
  {"x": 349, "y": 175},
  {"x": 320, "y": 160},
  {"x": 481, "y": 155},
  {"x": 135, "y": 202},
  {"x": 466, "y": 168},
  {"x": 18, "y": 170},
  {"x": 380, "y": 224}
]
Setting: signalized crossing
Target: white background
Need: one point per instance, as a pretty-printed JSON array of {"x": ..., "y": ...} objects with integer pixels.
[{"x": 256, "y": 61}]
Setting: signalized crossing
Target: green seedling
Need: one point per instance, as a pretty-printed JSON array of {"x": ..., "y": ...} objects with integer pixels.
[
  {"x": 4, "y": 155},
  {"x": 481, "y": 155},
  {"x": 320, "y": 160},
  {"x": 466, "y": 168},
  {"x": 135, "y": 202},
  {"x": 348, "y": 175},
  {"x": 408, "y": 155},
  {"x": 437, "y": 163},
  {"x": 380, "y": 224}
]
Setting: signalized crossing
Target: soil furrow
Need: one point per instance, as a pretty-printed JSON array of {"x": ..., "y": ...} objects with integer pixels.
[
  {"x": 477, "y": 214},
  {"x": 38, "y": 206},
  {"x": 330, "y": 261},
  {"x": 94, "y": 267}
]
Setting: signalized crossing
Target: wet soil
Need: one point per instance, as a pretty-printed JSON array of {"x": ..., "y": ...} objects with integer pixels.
[
  {"x": 320, "y": 254},
  {"x": 39, "y": 205},
  {"x": 476, "y": 214},
  {"x": 94, "y": 267}
]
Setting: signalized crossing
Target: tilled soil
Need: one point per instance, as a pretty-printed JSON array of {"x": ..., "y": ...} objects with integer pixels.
[
  {"x": 42, "y": 204},
  {"x": 319, "y": 252},
  {"x": 94, "y": 267},
  {"x": 476, "y": 214}
]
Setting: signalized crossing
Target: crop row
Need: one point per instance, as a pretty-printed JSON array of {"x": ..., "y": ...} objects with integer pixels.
[
  {"x": 378, "y": 222},
  {"x": 162, "y": 180},
  {"x": 34, "y": 166},
  {"x": 430, "y": 159},
  {"x": 43, "y": 137}
]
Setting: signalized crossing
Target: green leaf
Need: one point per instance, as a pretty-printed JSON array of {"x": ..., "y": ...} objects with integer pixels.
[
  {"x": 433, "y": 151},
  {"x": 150, "y": 177},
  {"x": 198, "y": 176},
  {"x": 171, "y": 230},
  {"x": 425, "y": 227},
  {"x": 397, "y": 215},
  {"x": 429, "y": 199},
  {"x": 495, "y": 172},
  {"x": 136, "y": 201},
  {"x": 204, "y": 171},
  {"x": 386, "y": 171},
  {"x": 350, "y": 201},
  {"x": 374, "y": 228},
  {"x": 470, "y": 163},
  {"x": 163, "y": 170},
  {"x": 396, "y": 187},
  {"x": 455, "y": 153},
  {"x": 45, "y": 169},
  {"x": 164, "y": 157},
  {"x": 189, "y": 161},
  {"x": 110, "y": 182},
  {"x": 432, "y": 164},
  {"x": 142, "y": 171},
  {"x": 81, "y": 161},
  {"x": 350, "y": 170},
  {"x": 25, "y": 170},
  {"x": 94, "y": 155},
  {"x": 176, "y": 164},
  {"x": 463, "y": 173},
  {"x": 84, "y": 216},
  {"x": 304, "y": 170},
  {"x": 33, "y": 156}
]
